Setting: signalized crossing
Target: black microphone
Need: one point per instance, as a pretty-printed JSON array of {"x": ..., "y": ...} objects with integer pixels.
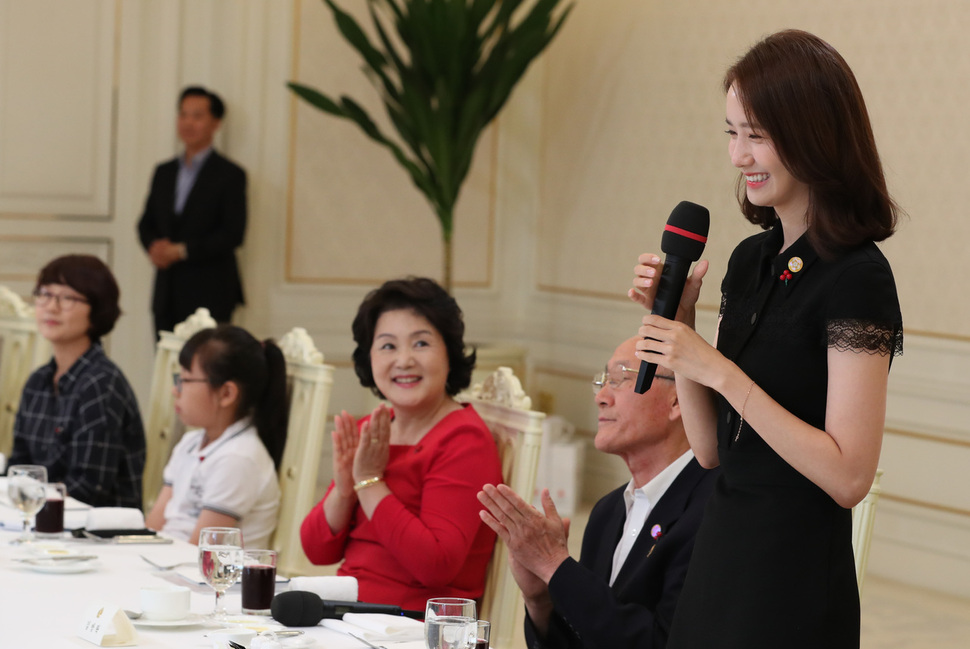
[
  {"x": 683, "y": 240},
  {"x": 304, "y": 608}
]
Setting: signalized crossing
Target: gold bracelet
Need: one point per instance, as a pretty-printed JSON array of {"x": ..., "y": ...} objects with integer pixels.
[
  {"x": 741, "y": 422},
  {"x": 363, "y": 484}
]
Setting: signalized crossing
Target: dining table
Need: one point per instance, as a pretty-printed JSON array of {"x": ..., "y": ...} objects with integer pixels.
[{"x": 45, "y": 603}]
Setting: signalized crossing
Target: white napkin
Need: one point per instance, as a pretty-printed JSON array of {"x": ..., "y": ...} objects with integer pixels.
[
  {"x": 375, "y": 627},
  {"x": 392, "y": 626},
  {"x": 115, "y": 518},
  {"x": 10, "y": 516},
  {"x": 343, "y": 589}
]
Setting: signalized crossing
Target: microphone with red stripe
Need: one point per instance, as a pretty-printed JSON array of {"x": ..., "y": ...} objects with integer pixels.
[{"x": 683, "y": 240}]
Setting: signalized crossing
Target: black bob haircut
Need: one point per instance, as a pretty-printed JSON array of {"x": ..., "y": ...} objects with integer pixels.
[
  {"x": 426, "y": 298},
  {"x": 92, "y": 278}
]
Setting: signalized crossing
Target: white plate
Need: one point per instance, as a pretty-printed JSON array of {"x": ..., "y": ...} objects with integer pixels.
[
  {"x": 62, "y": 567},
  {"x": 193, "y": 619}
]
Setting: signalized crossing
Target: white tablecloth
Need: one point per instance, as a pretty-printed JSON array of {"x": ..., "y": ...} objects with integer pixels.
[{"x": 45, "y": 610}]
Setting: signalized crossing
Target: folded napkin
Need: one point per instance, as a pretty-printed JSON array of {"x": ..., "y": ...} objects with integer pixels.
[
  {"x": 376, "y": 627},
  {"x": 10, "y": 516},
  {"x": 343, "y": 589},
  {"x": 392, "y": 626},
  {"x": 115, "y": 518}
]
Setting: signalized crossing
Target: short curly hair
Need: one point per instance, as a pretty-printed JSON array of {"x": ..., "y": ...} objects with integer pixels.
[
  {"x": 426, "y": 298},
  {"x": 92, "y": 278}
]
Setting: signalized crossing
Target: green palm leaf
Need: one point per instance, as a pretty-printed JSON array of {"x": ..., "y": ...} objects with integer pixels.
[{"x": 443, "y": 70}]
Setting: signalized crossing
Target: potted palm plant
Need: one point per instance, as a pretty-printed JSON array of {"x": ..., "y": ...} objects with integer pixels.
[{"x": 443, "y": 70}]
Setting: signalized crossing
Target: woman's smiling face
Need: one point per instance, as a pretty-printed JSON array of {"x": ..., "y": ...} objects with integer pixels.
[
  {"x": 767, "y": 181},
  {"x": 409, "y": 360}
]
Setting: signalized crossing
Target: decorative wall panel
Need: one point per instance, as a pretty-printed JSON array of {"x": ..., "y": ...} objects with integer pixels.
[{"x": 56, "y": 74}]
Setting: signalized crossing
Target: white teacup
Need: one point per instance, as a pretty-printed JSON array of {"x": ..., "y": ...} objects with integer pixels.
[{"x": 165, "y": 603}]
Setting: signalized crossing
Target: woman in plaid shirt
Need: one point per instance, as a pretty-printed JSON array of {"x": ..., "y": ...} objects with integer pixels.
[{"x": 78, "y": 415}]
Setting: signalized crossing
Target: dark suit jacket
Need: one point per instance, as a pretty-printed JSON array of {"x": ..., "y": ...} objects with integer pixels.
[
  {"x": 212, "y": 226},
  {"x": 637, "y": 610}
]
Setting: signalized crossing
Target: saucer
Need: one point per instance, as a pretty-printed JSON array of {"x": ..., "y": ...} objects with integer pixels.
[
  {"x": 193, "y": 619},
  {"x": 62, "y": 567}
]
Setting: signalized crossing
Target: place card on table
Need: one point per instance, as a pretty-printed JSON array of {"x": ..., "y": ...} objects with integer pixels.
[{"x": 107, "y": 626}]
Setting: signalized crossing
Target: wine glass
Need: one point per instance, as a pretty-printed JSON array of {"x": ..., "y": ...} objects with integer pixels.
[
  {"x": 27, "y": 489},
  {"x": 220, "y": 561},
  {"x": 450, "y": 623}
]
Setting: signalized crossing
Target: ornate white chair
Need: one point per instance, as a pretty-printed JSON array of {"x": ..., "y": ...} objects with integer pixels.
[
  {"x": 517, "y": 429},
  {"x": 162, "y": 428},
  {"x": 310, "y": 383},
  {"x": 22, "y": 350},
  {"x": 863, "y": 516}
]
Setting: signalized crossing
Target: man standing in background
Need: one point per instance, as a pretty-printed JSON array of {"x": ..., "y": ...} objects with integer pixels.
[{"x": 194, "y": 219}]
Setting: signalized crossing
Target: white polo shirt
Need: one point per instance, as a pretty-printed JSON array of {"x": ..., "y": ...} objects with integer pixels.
[{"x": 233, "y": 475}]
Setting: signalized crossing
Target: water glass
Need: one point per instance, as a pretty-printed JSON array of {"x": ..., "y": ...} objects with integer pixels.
[
  {"x": 27, "y": 490},
  {"x": 258, "y": 581},
  {"x": 450, "y": 623},
  {"x": 220, "y": 561}
]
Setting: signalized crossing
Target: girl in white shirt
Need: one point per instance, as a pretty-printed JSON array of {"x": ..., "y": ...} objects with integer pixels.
[{"x": 233, "y": 389}]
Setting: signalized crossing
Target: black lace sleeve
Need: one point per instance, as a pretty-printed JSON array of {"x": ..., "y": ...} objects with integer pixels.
[
  {"x": 865, "y": 336},
  {"x": 863, "y": 313}
]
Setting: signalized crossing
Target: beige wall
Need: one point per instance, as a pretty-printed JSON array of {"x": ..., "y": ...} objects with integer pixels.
[{"x": 621, "y": 120}]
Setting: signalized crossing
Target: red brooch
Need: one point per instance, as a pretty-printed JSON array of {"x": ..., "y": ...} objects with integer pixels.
[{"x": 785, "y": 276}]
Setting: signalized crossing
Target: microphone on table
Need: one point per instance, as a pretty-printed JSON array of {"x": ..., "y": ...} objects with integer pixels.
[
  {"x": 683, "y": 240},
  {"x": 303, "y": 608}
]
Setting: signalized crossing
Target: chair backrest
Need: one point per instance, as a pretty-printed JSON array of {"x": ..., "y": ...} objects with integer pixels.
[
  {"x": 162, "y": 428},
  {"x": 310, "y": 383},
  {"x": 22, "y": 349},
  {"x": 863, "y": 516},
  {"x": 502, "y": 404}
]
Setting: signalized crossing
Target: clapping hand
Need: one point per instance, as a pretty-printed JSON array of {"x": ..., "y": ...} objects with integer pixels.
[
  {"x": 374, "y": 445},
  {"x": 536, "y": 540},
  {"x": 345, "y": 436}
]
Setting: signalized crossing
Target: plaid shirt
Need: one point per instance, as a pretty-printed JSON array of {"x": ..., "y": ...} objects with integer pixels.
[{"x": 87, "y": 432}]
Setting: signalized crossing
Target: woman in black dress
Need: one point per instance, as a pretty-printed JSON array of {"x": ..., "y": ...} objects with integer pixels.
[{"x": 791, "y": 400}]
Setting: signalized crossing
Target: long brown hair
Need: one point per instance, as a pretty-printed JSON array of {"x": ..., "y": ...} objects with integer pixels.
[{"x": 802, "y": 94}]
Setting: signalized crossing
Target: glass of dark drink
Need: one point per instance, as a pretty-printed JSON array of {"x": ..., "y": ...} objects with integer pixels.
[
  {"x": 258, "y": 581},
  {"x": 481, "y": 638},
  {"x": 49, "y": 521}
]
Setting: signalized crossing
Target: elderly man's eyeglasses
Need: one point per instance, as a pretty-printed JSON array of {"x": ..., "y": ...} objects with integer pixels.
[
  {"x": 43, "y": 297},
  {"x": 618, "y": 377},
  {"x": 179, "y": 381}
]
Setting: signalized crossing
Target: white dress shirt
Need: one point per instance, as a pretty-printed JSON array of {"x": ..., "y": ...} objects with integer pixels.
[{"x": 639, "y": 503}]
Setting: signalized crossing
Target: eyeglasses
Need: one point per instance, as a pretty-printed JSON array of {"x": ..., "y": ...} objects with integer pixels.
[
  {"x": 179, "y": 381},
  {"x": 618, "y": 378},
  {"x": 43, "y": 297}
]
